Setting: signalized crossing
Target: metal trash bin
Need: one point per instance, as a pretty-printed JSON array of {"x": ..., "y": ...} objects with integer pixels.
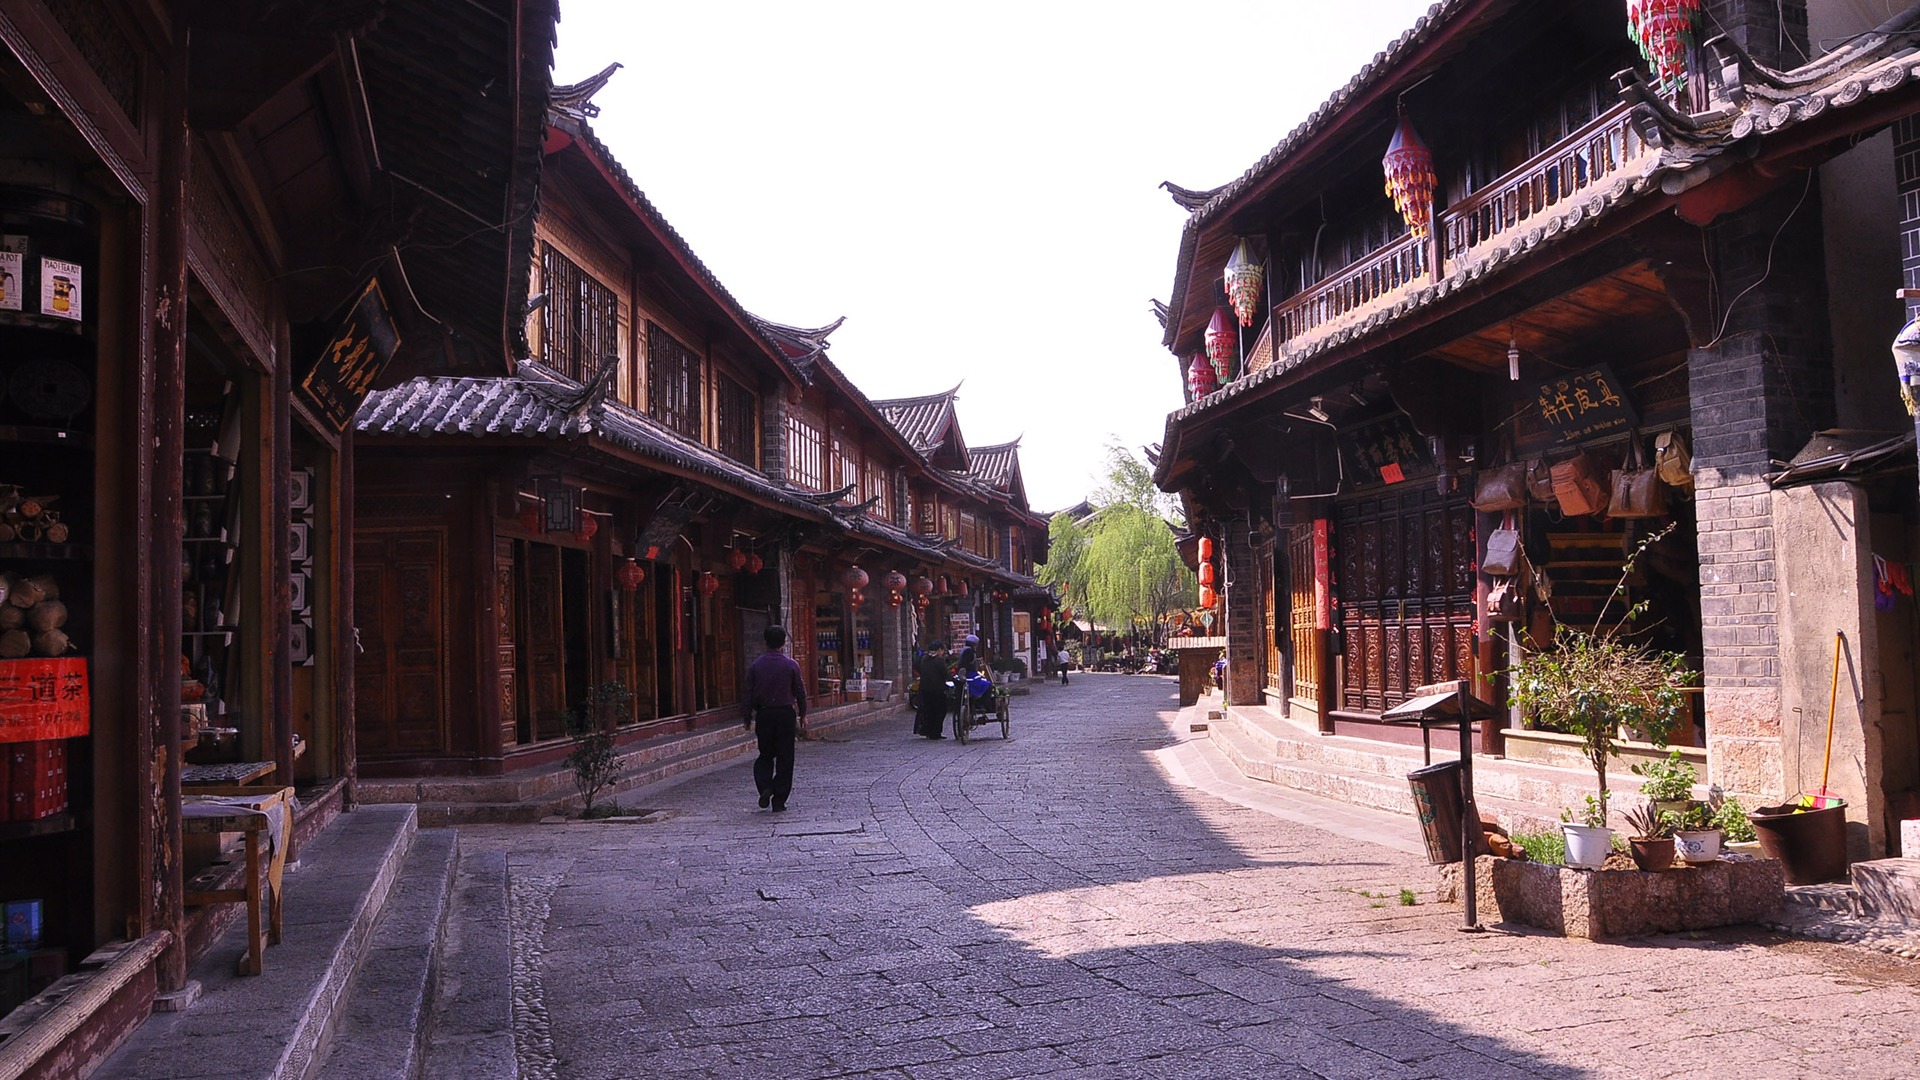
[{"x": 1436, "y": 802}]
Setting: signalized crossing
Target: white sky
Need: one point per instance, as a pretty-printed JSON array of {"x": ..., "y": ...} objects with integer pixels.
[{"x": 973, "y": 186}]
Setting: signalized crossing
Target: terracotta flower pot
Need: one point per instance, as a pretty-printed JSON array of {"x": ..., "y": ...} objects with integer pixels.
[{"x": 1650, "y": 854}]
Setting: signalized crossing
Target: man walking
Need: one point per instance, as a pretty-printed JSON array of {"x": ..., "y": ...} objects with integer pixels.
[{"x": 777, "y": 709}]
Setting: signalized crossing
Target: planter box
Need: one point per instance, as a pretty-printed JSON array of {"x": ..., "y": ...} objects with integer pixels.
[
  {"x": 1623, "y": 903},
  {"x": 1566, "y": 752}
]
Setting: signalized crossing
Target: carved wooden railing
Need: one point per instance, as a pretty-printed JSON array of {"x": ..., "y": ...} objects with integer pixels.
[{"x": 1541, "y": 186}]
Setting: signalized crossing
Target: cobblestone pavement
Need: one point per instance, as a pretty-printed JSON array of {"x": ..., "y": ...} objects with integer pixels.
[{"x": 1059, "y": 905}]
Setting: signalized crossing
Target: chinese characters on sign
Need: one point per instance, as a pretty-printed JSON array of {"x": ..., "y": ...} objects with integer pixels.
[
  {"x": 43, "y": 699},
  {"x": 1584, "y": 405},
  {"x": 1322, "y": 576},
  {"x": 1388, "y": 449},
  {"x": 354, "y": 358}
]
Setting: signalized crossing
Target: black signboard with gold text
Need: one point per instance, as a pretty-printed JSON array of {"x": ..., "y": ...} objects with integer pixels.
[
  {"x": 355, "y": 356},
  {"x": 1585, "y": 404}
]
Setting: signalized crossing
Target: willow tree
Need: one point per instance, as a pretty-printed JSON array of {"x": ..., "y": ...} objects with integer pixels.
[{"x": 1118, "y": 564}]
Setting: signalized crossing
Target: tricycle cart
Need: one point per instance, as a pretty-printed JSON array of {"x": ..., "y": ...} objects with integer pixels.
[{"x": 972, "y": 710}]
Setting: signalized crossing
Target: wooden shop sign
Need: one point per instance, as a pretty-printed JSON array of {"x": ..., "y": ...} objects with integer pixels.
[
  {"x": 350, "y": 363},
  {"x": 43, "y": 699},
  {"x": 1585, "y": 405}
]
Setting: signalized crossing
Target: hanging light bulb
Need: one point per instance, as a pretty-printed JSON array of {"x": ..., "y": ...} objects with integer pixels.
[{"x": 1513, "y": 357}]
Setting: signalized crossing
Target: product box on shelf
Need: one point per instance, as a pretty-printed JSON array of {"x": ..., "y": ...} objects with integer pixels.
[
  {"x": 37, "y": 784},
  {"x": 23, "y": 924}
]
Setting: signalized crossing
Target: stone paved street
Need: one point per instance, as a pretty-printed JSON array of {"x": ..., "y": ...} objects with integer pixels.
[{"x": 1058, "y": 905}]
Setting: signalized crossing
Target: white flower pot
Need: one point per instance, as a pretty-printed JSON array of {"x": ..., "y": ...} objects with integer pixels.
[
  {"x": 1587, "y": 847},
  {"x": 1697, "y": 845}
]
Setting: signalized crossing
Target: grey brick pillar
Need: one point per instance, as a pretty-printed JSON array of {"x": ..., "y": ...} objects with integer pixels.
[
  {"x": 773, "y": 435},
  {"x": 1244, "y": 677},
  {"x": 1758, "y": 391},
  {"x": 1774, "y": 32}
]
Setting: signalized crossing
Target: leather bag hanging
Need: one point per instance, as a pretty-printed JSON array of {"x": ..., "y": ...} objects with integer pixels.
[
  {"x": 1577, "y": 486},
  {"x": 1505, "y": 604},
  {"x": 1540, "y": 480},
  {"x": 1637, "y": 490},
  {"x": 1503, "y": 550},
  {"x": 1672, "y": 460},
  {"x": 1503, "y": 488}
]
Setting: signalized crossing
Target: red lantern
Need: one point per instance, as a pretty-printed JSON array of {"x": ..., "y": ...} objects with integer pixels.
[
  {"x": 629, "y": 574},
  {"x": 855, "y": 578},
  {"x": 1208, "y": 597},
  {"x": 709, "y": 583},
  {"x": 1223, "y": 344},
  {"x": 588, "y": 526},
  {"x": 922, "y": 586},
  {"x": 894, "y": 580},
  {"x": 1201, "y": 380},
  {"x": 1410, "y": 178},
  {"x": 921, "y": 602},
  {"x": 963, "y": 586},
  {"x": 945, "y": 588},
  {"x": 894, "y": 597},
  {"x": 736, "y": 558},
  {"x": 755, "y": 563},
  {"x": 1244, "y": 277},
  {"x": 531, "y": 519},
  {"x": 1206, "y": 549},
  {"x": 856, "y": 598},
  {"x": 1664, "y": 30},
  {"x": 1206, "y": 573},
  {"x": 1000, "y": 596}
]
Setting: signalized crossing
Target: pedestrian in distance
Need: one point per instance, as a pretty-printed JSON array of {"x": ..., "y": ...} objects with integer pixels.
[
  {"x": 932, "y": 713},
  {"x": 776, "y": 701}
]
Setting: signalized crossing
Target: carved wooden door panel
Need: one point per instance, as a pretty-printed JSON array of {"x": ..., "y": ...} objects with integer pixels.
[
  {"x": 507, "y": 658},
  {"x": 1406, "y": 594},
  {"x": 542, "y": 633},
  {"x": 637, "y": 665},
  {"x": 1306, "y": 640},
  {"x": 726, "y": 644},
  {"x": 399, "y": 604}
]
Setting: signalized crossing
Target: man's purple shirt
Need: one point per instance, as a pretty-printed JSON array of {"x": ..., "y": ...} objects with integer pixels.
[{"x": 774, "y": 682}]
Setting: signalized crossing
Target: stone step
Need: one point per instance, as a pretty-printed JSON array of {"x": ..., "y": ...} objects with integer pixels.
[
  {"x": 1889, "y": 889},
  {"x": 471, "y": 1034},
  {"x": 270, "y": 1026},
  {"x": 1832, "y": 897},
  {"x": 379, "y": 1033}
]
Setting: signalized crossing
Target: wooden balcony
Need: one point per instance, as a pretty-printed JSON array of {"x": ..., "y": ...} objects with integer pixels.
[{"x": 1538, "y": 189}]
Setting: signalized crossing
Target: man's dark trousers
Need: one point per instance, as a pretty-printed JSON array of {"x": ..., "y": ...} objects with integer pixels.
[{"x": 773, "y": 769}]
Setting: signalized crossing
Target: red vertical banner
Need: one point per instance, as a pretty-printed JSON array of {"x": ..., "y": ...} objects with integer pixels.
[{"x": 1322, "y": 576}]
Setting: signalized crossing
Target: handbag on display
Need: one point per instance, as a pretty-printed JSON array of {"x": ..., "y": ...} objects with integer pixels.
[
  {"x": 1577, "y": 486},
  {"x": 1503, "y": 488},
  {"x": 1540, "y": 480},
  {"x": 1672, "y": 460},
  {"x": 1637, "y": 490},
  {"x": 1505, "y": 604},
  {"x": 1503, "y": 550}
]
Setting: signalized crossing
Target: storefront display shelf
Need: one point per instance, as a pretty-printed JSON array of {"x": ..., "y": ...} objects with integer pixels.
[
  {"x": 46, "y": 826},
  {"x": 45, "y": 552}
]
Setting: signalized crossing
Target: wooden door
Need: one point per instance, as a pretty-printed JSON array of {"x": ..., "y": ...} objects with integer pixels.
[
  {"x": 507, "y": 653},
  {"x": 1406, "y": 594},
  {"x": 1308, "y": 642},
  {"x": 400, "y": 677},
  {"x": 544, "y": 640},
  {"x": 637, "y": 647}
]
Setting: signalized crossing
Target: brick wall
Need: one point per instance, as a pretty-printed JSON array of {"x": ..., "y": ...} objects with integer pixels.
[
  {"x": 1244, "y": 675},
  {"x": 1756, "y": 26},
  {"x": 773, "y": 435},
  {"x": 1758, "y": 391}
]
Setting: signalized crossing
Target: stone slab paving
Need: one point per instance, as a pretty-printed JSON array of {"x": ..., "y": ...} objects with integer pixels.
[{"x": 1079, "y": 902}]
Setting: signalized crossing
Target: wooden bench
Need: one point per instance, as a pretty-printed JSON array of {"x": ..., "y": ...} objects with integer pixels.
[{"x": 220, "y": 808}]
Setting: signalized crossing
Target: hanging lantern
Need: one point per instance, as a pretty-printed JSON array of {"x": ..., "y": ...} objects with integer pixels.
[
  {"x": 629, "y": 574},
  {"x": 856, "y": 598},
  {"x": 894, "y": 580},
  {"x": 855, "y": 578},
  {"x": 963, "y": 586},
  {"x": 1000, "y": 596},
  {"x": 531, "y": 518},
  {"x": 1410, "y": 178},
  {"x": 709, "y": 583},
  {"x": 736, "y": 558},
  {"x": 922, "y": 586},
  {"x": 588, "y": 526},
  {"x": 1245, "y": 275},
  {"x": 1223, "y": 344},
  {"x": 1206, "y": 573},
  {"x": 946, "y": 587},
  {"x": 1208, "y": 597},
  {"x": 1206, "y": 549},
  {"x": 1201, "y": 379},
  {"x": 921, "y": 602},
  {"x": 894, "y": 597},
  {"x": 755, "y": 563},
  {"x": 1664, "y": 31}
]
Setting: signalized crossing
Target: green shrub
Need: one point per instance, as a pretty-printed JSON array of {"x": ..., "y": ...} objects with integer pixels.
[
  {"x": 1671, "y": 780},
  {"x": 1543, "y": 847},
  {"x": 592, "y": 759}
]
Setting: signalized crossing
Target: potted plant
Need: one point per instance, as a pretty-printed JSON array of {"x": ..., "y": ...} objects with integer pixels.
[
  {"x": 1589, "y": 841},
  {"x": 1590, "y": 684},
  {"x": 1651, "y": 836},
  {"x": 1668, "y": 784},
  {"x": 1697, "y": 840},
  {"x": 1731, "y": 819}
]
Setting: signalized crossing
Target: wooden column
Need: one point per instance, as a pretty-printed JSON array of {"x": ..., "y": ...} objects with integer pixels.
[
  {"x": 275, "y": 554},
  {"x": 346, "y": 635}
]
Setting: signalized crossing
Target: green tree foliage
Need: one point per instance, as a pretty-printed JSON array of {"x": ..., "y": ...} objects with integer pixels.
[{"x": 1118, "y": 566}]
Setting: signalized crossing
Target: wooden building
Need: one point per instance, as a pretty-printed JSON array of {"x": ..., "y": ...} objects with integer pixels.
[
  {"x": 1581, "y": 266},
  {"x": 221, "y": 224}
]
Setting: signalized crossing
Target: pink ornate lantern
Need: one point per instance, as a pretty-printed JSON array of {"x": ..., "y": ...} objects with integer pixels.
[
  {"x": 1223, "y": 343},
  {"x": 1245, "y": 275},
  {"x": 1201, "y": 380},
  {"x": 1410, "y": 178},
  {"x": 1664, "y": 30}
]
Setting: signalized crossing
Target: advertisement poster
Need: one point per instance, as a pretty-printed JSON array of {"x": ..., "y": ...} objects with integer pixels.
[
  {"x": 1322, "y": 576},
  {"x": 12, "y": 279},
  {"x": 350, "y": 363},
  {"x": 60, "y": 289}
]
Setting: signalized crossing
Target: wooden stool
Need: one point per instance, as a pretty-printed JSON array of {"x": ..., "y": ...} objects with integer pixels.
[{"x": 214, "y": 809}]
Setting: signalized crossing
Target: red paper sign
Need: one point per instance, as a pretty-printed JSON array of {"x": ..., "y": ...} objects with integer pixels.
[
  {"x": 1322, "y": 577},
  {"x": 43, "y": 699},
  {"x": 1390, "y": 473}
]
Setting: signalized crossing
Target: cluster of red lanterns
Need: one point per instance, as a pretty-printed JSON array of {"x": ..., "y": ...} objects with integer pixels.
[
  {"x": 855, "y": 579},
  {"x": 896, "y": 585},
  {"x": 1209, "y": 597}
]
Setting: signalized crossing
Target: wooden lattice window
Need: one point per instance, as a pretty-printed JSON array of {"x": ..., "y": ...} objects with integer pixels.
[
  {"x": 735, "y": 413},
  {"x": 877, "y": 484},
  {"x": 1308, "y": 660},
  {"x": 846, "y": 465},
  {"x": 929, "y": 518},
  {"x": 673, "y": 382},
  {"x": 806, "y": 452},
  {"x": 581, "y": 328}
]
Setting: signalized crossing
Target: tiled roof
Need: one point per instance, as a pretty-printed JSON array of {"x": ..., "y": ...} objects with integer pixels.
[
  {"x": 800, "y": 346},
  {"x": 923, "y": 420},
  {"x": 996, "y": 466}
]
